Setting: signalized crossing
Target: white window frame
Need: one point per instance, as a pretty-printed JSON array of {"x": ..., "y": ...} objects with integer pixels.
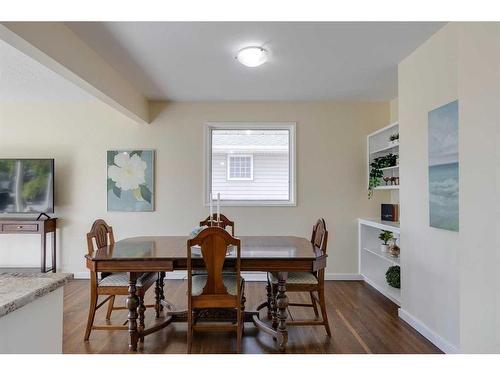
[
  {"x": 228, "y": 167},
  {"x": 292, "y": 185}
]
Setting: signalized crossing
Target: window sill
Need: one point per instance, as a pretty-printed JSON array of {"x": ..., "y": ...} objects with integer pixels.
[{"x": 236, "y": 203}]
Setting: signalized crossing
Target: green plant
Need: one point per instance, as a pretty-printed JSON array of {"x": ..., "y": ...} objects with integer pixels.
[
  {"x": 376, "y": 175},
  {"x": 393, "y": 276},
  {"x": 376, "y": 172},
  {"x": 394, "y": 137},
  {"x": 385, "y": 236}
]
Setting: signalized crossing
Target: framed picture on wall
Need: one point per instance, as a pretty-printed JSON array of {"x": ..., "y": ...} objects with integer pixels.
[
  {"x": 444, "y": 167},
  {"x": 130, "y": 180}
]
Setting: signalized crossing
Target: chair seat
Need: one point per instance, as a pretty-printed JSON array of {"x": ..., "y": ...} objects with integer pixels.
[
  {"x": 296, "y": 278},
  {"x": 121, "y": 279},
  {"x": 230, "y": 282}
]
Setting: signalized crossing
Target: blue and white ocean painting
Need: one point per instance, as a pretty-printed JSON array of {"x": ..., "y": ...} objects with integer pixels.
[{"x": 444, "y": 167}]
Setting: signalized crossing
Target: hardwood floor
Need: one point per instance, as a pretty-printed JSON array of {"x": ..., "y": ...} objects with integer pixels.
[{"x": 362, "y": 321}]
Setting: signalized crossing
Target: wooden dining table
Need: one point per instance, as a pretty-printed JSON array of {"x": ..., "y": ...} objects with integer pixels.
[{"x": 276, "y": 254}]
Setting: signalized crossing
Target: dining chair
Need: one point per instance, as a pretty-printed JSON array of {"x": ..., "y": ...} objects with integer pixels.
[
  {"x": 215, "y": 289},
  {"x": 311, "y": 282},
  {"x": 116, "y": 284},
  {"x": 224, "y": 222}
]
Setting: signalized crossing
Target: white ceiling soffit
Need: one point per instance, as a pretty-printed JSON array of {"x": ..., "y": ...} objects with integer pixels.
[{"x": 194, "y": 61}]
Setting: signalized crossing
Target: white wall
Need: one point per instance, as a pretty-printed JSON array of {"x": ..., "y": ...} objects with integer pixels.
[
  {"x": 450, "y": 280},
  {"x": 331, "y": 169},
  {"x": 479, "y": 93},
  {"x": 430, "y": 257}
]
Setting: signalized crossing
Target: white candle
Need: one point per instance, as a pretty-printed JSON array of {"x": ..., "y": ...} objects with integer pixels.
[
  {"x": 218, "y": 209},
  {"x": 211, "y": 209}
]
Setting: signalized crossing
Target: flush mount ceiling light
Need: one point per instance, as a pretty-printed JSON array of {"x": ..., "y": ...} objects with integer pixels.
[{"x": 252, "y": 56}]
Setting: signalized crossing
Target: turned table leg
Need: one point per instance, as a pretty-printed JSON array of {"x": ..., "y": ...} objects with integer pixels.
[
  {"x": 141, "y": 310},
  {"x": 157, "y": 296},
  {"x": 269, "y": 300},
  {"x": 132, "y": 304},
  {"x": 274, "y": 307},
  {"x": 282, "y": 305},
  {"x": 162, "y": 292}
]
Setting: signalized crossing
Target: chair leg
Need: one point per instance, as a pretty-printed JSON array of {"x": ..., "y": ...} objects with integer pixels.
[
  {"x": 110, "y": 308},
  {"x": 321, "y": 295},
  {"x": 141, "y": 309},
  {"x": 189, "y": 331},
  {"x": 238, "y": 330},
  {"x": 92, "y": 308},
  {"x": 315, "y": 306},
  {"x": 243, "y": 301}
]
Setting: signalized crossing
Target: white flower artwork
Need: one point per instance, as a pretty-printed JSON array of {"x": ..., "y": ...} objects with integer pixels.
[{"x": 130, "y": 180}]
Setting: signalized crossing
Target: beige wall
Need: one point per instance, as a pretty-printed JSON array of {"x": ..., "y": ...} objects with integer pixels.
[
  {"x": 331, "y": 169},
  {"x": 450, "y": 280},
  {"x": 430, "y": 257},
  {"x": 479, "y": 93}
]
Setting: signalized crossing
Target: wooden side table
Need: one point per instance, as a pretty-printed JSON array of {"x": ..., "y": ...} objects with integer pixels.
[{"x": 31, "y": 226}]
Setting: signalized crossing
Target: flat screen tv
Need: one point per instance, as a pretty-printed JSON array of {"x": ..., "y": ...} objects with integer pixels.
[{"x": 26, "y": 186}]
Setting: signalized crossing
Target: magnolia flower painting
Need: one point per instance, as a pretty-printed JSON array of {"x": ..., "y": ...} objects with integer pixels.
[{"x": 130, "y": 180}]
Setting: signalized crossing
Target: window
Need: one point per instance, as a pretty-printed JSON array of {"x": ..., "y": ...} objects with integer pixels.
[
  {"x": 250, "y": 164},
  {"x": 239, "y": 167}
]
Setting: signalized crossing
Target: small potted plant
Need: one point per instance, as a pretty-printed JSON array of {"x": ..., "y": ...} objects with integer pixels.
[
  {"x": 385, "y": 236},
  {"x": 394, "y": 140}
]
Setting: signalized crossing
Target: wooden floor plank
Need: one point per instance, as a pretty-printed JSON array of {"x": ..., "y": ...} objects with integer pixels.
[{"x": 362, "y": 321}]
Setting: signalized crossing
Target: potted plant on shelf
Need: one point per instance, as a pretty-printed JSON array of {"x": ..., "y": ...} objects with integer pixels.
[
  {"x": 385, "y": 236},
  {"x": 376, "y": 172},
  {"x": 393, "y": 276},
  {"x": 394, "y": 140}
]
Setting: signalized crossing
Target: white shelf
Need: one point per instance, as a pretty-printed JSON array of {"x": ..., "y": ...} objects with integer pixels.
[
  {"x": 384, "y": 149},
  {"x": 390, "y": 168},
  {"x": 385, "y": 256},
  {"x": 387, "y": 187},
  {"x": 392, "y": 293},
  {"x": 390, "y": 226}
]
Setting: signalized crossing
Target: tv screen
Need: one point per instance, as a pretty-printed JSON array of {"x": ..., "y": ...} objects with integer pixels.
[{"x": 26, "y": 185}]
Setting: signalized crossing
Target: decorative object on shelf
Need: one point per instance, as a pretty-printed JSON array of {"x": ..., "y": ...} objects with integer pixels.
[
  {"x": 394, "y": 248},
  {"x": 376, "y": 173},
  {"x": 130, "y": 180},
  {"x": 393, "y": 276},
  {"x": 386, "y": 179},
  {"x": 443, "y": 167},
  {"x": 394, "y": 140},
  {"x": 385, "y": 236},
  {"x": 389, "y": 212}
]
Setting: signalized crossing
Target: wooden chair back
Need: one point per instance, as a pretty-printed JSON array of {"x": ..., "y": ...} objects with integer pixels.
[
  {"x": 214, "y": 242},
  {"x": 224, "y": 222},
  {"x": 100, "y": 233},
  {"x": 319, "y": 237}
]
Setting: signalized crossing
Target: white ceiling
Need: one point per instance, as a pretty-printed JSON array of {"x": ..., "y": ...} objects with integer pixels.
[
  {"x": 24, "y": 79},
  {"x": 309, "y": 61}
]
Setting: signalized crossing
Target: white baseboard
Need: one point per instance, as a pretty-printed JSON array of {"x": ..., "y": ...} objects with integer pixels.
[
  {"x": 428, "y": 333},
  {"x": 343, "y": 276},
  {"x": 249, "y": 276}
]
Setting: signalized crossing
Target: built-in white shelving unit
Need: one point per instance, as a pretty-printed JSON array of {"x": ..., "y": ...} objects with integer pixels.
[
  {"x": 373, "y": 263},
  {"x": 379, "y": 144}
]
